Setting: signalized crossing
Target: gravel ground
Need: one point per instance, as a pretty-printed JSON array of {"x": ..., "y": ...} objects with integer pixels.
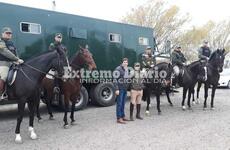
[{"x": 96, "y": 128}]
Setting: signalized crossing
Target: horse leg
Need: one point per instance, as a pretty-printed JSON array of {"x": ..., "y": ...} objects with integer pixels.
[
  {"x": 158, "y": 103},
  {"x": 205, "y": 95},
  {"x": 193, "y": 97},
  {"x": 49, "y": 108},
  {"x": 144, "y": 95},
  {"x": 167, "y": 90},
  {"x": 197, "y": 92},
  {"x": 21, "y": 108},
  {"x": 38, "y": 112},
  {"x": 189, "y": 98},
  {"x": 147, "y": 96},
  {"x": 184, "y": 97},
  {"x": 72, "y": 112},
  {"x": 213, "y": 95},
  {"x": 66, "y": 101},
  {"x": 32, "y": 107}
]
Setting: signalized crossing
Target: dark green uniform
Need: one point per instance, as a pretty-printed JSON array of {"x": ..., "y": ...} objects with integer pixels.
[
  {"x": 57, "y": 82},
  {"x": 147, "y": 61},
  {"x": 55, "y": 45},
  {"x": 178, "y": 58}
]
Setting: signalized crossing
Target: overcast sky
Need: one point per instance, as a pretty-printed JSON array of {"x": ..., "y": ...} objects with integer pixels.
[{"x": 200, "y": 10}]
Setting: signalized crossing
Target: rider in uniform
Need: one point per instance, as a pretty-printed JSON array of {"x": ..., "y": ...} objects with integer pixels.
[
  {"x": 204, "y": 53},
  {"x": 8, "y": 54},
  {"x": 178, "y": 62},
  {"x": 147, "y": 59},
  {"x": 57, "y": 44}
]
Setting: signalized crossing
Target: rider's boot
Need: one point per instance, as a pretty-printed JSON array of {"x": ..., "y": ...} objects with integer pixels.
[
  {"x": 131, "y": 112},
  {"x": 138, "y": 116},
  {"x": 2, "y": 90}
]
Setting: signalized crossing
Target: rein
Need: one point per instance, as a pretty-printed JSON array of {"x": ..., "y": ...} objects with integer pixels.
[{"x": 20, "y": 69}]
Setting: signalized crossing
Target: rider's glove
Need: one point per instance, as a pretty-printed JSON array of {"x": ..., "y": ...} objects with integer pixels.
[{"x": 20, "y": 61}]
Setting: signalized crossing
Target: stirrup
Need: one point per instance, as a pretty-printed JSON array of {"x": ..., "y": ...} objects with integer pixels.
[
  {"x": 4, "y": 96},
  {"x": 56, "y": 90}
]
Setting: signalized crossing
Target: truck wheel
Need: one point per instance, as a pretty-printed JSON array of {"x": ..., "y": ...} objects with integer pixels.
[
  {"x": 81, "y": 102},
  {"x": 228, "y": 86},
  {"x": 104, "y": 94}
]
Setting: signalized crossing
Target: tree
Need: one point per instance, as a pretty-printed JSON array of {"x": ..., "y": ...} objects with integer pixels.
[
  {"x": 219, "y": 36},
  {"x": 167, "y": 22},
  {"x": 191, "y": 40}
]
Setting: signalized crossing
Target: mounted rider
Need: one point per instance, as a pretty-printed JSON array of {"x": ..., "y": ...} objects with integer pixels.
[
  {"x": 204, "y": 53},
  {"x": 57, "y": 44},
  {"x": 147, "y": 59},
  {"x": 178, "y": 62},
  {"x": 8, "y": 55}
]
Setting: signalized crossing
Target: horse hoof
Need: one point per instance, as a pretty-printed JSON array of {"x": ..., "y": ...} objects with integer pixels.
[
  {"x": 147, "y": 112},
  {"x": 73, "y": 123},
  {"x": 193, "y": 103},
  {"x": 198, "y": 101},
  {"x": 183, "y": 107},
  {"x": 40, "y": 120},
  {"x": 212, "y": 108},
  {"x": 171, "y": 105},
  {"x": 33, "y": 135},
  {"x": 18, "y": 139},
  {"x": 159, "y": 113},
  {"x": 205, "y": 108},
  {"x": 51, "y": 118},
  {"x": 189, "y": 108},
  {"x": 66, "y": 126}
]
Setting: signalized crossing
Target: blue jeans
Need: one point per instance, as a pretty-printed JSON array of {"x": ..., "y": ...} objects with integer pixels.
[{"x": 121, "y": 103}]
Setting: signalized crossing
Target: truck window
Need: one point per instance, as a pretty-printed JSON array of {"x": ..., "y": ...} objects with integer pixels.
[
  {"x": 143, "y": 41},
  {"x": 32, "y": 28},
  {"x": 114, "y": 37}
]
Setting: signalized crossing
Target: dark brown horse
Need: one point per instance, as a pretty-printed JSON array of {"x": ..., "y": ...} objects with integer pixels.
[{"x": 72, "y": 86}]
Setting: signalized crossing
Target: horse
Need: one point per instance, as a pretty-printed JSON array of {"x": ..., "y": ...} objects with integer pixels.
[
  {"x": 28, "y": 79},
  {"x": 158, "y": 83},
  {"x": 71, "y": 87},
  {"x": 214, "y": 68},
  {"x": 188, "y": 80}
]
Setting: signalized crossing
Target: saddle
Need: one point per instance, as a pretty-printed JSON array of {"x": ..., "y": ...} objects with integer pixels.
[
  {"x": 68, "y": 73},
  {"x": 51, "y": 74},
  {"x": 12, "y": 74}
]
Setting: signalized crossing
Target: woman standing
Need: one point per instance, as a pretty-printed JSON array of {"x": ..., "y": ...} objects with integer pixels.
[{"x": 136, "y": 91}]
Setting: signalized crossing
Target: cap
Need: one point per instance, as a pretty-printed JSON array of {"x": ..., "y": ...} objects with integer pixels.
[
  {"x": 178, "y": 47},
  {"x": 205, "y": 41},
  {"x": 6, "y": 29},
  {"x": 137, "y": 64},
  {"x": 148, "y": 47},
  {"x": 58, "y": 34}
]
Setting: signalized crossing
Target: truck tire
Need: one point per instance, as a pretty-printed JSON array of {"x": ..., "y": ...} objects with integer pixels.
[
  {"x": 103, "y": 94},
  {"x": 82, "y": 102}
]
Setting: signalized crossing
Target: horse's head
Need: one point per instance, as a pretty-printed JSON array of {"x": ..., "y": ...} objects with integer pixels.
[
  {"x": 84, "y": 57},
  {"x": 217, "y": 59},
  {"x": 59, "y": 62}
]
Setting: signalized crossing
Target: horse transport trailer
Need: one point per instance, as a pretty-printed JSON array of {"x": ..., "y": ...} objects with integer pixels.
[{"x": 34, "y": 29}]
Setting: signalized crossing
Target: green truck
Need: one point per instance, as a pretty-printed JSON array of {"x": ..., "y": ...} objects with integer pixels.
[{"x": 34, "y": 29}]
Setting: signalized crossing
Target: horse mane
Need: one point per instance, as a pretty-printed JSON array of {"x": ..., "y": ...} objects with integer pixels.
[
  {"x": 39, "y": 55},
  {"x": 212, "y": 55},
  {"x": 193, "y": 64},
  {"x": 161, "y": 64},
  {"x": 74, "y": 57}
]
